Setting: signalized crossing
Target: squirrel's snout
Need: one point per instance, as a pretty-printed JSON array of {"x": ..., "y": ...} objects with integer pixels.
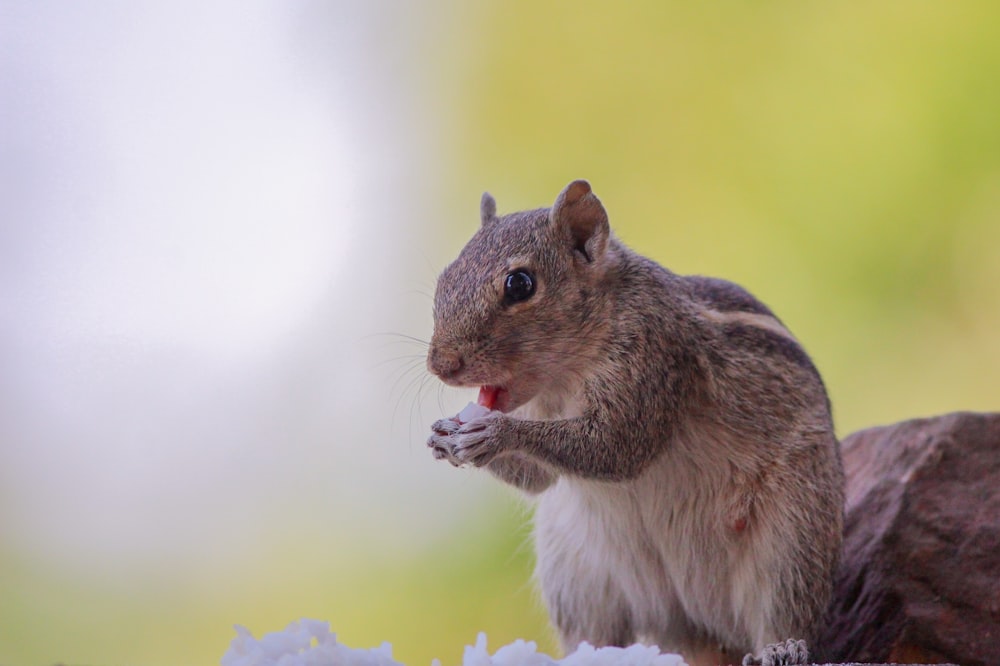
[{"x": 444, "y": 363}]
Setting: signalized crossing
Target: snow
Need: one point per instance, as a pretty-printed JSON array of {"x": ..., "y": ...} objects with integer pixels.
[
  {"x": 302, "y": 643},
  {"x": 310, "y": 643},
  {"x": 524, "y": 653}
]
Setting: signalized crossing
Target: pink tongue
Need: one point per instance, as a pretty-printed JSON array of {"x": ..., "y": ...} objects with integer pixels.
[{"x": 488, "y": 396}]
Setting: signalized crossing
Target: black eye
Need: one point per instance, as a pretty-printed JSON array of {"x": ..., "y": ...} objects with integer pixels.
[{"x": 518, "y": 286}]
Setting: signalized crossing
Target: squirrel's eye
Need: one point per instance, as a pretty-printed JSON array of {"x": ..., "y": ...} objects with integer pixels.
[{"x": 518, "y": 286}]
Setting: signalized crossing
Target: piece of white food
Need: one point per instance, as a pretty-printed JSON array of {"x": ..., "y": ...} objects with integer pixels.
[{"x": 472, "y": 411}]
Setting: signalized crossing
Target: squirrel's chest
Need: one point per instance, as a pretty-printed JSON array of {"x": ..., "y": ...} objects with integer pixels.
[
  {"x": 637, "y": 525},
  {"x": 657, "y": 547}
]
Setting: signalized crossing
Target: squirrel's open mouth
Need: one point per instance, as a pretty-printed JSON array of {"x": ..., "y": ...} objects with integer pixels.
[{"x": 494, "y": 397}]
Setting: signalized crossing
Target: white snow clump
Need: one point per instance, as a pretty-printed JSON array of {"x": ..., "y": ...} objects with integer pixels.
[
  {"x": 302, "y": 643},
  {"x": 310, "y": 643},
  {"x": 524, "y": 653}
]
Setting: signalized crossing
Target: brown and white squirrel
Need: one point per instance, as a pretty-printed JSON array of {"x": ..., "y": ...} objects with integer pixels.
[{"x": 678, "y": 438}]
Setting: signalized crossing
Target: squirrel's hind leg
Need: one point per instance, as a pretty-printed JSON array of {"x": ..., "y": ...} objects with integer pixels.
[{"x": 792, "y": 652}]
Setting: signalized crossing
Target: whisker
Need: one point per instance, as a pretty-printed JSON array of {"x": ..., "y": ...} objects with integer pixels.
[
  {"x": 402, "y": 338},
  {"x": 410, "y": 375},
  {"x": 414, "y": 388},
  {"x": 419, "y": 403},
  {"x": 440, "y": 398},
  {"x": 420, "y": 292},
  {"x": 411, "y": 359}
]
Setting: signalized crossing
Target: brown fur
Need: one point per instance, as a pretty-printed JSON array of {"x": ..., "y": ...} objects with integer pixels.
[{"x": 677, "y": 437}]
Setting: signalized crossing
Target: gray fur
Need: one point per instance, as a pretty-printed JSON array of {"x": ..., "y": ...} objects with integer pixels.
[
  {"x": 678, "y": 439},
  {"x": 487, "y": 209}
]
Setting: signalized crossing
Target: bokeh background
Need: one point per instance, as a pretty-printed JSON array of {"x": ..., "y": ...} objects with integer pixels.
[{"x": 220, "y": 221}]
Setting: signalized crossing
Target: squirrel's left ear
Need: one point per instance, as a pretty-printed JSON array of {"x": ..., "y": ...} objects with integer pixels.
[
  {"x": 487, "y": 208},
  {"x": 580, "y": 214}
]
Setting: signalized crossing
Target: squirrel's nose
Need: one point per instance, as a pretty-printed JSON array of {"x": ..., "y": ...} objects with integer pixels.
[{"x": 444, "y": 363}]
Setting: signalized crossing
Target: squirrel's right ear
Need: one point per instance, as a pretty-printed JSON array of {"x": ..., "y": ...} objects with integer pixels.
[
  {"x": 487, "y": 208},
  {"x": 579, "y": 213}
]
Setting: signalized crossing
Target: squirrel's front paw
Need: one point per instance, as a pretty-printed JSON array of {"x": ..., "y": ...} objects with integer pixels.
[
  {"x": 469, "y": 443},
  {"x": 476, "y": 441},
  {"x": 441, "y": 442}
]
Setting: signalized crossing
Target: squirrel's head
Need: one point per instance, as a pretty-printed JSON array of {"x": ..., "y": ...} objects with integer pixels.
[{"x": 519, "y": 308}]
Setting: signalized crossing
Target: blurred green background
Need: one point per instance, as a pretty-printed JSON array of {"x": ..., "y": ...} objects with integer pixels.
[{"x": 841, "y": 160}]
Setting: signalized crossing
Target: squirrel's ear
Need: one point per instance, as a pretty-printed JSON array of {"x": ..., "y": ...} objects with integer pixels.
[
  {"x": 487, "y": 208},
  {"x": 580, "y": 213}
]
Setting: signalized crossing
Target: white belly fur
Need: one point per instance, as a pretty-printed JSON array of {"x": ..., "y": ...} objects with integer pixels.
[{"x": 661, "y": 548}]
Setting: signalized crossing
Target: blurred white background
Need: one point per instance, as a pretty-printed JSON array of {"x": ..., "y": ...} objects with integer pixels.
[{"x": 200, "y": 250}]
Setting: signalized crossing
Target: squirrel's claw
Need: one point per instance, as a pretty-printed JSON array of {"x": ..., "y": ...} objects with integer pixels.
[
  {"x": 441, "y": 442},
  {"x": 445, "y": 427},
  {"x": 442, "y": 448},
  {"x": 788, "y": 653},
  {"x": 475, "y": 441},
  {"x": 464, "y": 443}
]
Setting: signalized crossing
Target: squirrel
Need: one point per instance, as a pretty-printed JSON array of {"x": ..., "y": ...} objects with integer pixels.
[{"x": 677, "y": 437}]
